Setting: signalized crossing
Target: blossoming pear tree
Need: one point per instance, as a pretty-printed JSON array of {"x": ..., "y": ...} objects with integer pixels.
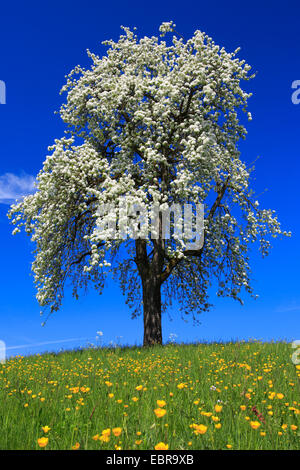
[{"x": 159, "y": 124}]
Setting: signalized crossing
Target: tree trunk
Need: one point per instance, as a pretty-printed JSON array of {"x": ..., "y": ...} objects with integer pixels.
[{"x": 152, "y": 311}]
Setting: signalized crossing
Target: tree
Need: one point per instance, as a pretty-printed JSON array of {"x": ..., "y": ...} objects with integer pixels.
[{"x": 158, "y": 124}]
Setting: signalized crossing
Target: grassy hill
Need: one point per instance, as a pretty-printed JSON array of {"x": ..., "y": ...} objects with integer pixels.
[{"x": 200, "y": 396}]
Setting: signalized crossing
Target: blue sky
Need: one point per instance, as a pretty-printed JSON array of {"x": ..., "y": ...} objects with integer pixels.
[{"x": 40, "y": 42}]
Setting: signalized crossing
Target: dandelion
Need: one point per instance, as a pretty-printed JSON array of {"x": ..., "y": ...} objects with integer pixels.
[
  {"x": 205, "y": 413},
  {"x": 161, "y": 446},
  {"x": 117, "y": 431},
  {"x": 218, "y": 408},
  {"x": 43, "y": 441},
  {"x": 161, "y": 403},
  {"x": 215, "y": 419},
  {"x": 46, "y": 429},
  {"x": 200, "y": 429},
  {"x": 255, "y": 424},
  {"x": 172, "y": 337},
  {"x": 160, "y": 412},
  {"x": 181, "y": 386}
]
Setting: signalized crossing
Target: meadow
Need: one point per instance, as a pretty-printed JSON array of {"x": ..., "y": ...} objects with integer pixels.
[{"x": 238, "y": 395}]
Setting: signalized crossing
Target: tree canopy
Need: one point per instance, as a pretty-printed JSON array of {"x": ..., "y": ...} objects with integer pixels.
[{"x": 160, "y": 124}]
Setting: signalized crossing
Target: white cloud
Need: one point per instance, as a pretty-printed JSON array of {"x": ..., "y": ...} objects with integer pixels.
[
  {"x": 288, "y": 307},
  {"x": 14, "y": 187}
]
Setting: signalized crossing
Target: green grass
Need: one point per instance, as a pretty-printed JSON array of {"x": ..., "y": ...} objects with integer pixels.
[{"x": 37, "y": 391}]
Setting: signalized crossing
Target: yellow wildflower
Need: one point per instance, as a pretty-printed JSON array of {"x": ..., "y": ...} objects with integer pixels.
[
  {"x": 255, "y": 424},
  {"x": 181, "y": 386},
  {"x": 159, "y": 412},
  {"x": 161, "y": 403},
  {"x": 161, "y": 446},
  {"x": 200, "y": 429},
  {"x": 43, "y": 441},
  {"x": 117, "y": 431},
  {"x": 46, "y": 429}
]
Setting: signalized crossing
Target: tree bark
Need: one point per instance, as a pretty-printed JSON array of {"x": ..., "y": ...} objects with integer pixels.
[
  {"x": 152, "y": 311},
  {"x": 151, "y": 277}
]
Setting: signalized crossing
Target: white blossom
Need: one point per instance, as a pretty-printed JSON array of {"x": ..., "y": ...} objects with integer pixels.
[
  {"x": 166, "y": 27},
  {"x": 158, "y": 124}
]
